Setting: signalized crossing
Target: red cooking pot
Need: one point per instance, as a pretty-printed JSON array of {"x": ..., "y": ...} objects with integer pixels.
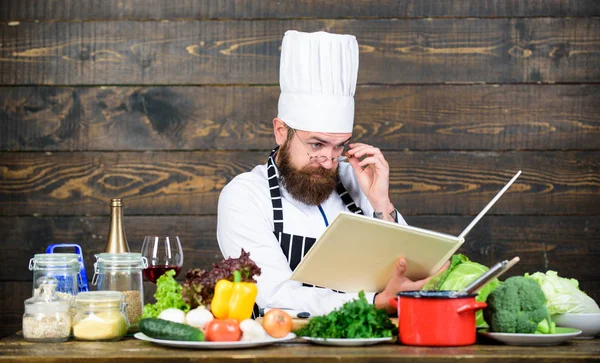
[{"x": 436, "y": 318}]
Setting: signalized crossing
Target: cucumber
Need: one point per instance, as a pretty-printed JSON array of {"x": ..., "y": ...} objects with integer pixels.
[{"x": 168, "y": 330}]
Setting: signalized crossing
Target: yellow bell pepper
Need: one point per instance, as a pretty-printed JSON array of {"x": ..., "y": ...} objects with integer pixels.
[{"x": 234, "y": 300}]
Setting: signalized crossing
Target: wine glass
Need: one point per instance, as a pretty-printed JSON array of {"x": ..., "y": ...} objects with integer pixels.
[{"x": 163, "y": 253}]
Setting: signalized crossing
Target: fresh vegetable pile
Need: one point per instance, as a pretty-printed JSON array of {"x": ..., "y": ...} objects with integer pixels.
[
  {"x": 355, "y": 319},
  {"x": 199, "y": 286},
  {"x": 230, "y": 292},
  {"x": 520, "y": 304},
  {"x": 199, "y": 324}
]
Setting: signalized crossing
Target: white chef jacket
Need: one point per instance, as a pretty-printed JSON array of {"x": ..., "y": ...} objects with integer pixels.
[{"x": 245, "y": 220}]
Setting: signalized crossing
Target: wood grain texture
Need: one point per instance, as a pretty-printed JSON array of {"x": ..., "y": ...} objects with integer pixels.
[
  {"x": 429, "y": 117},
  {"x": 29, "y": 10},
  {"x": 12, "y": 298},
  {"x": 179, "y": 183},
  {"x": 132, "y": 350},
  {"x": 563, "y": 243},
  {"x": 247, "y": 52}
]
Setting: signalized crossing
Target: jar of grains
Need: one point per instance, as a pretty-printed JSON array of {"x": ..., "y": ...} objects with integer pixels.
[
  {"x": 123, "y": 272},
  {"x": 46, "y": 317},
  {"x": 100, "y": 316}
]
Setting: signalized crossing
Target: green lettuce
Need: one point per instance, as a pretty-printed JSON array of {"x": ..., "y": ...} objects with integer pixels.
[
  {"x": 168, "y": 295},
  {"x": 563, "y": 294},
  {"x": 459, "y": 275}
]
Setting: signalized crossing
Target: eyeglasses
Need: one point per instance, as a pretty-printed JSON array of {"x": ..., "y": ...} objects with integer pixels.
[{"x": 319, "y": 159}]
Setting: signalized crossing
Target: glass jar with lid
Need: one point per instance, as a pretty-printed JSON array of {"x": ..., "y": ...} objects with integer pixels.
[
  {"x": 100, "y": 316},
  {"x": 123, "y": 272},
  {"x": 46, "y": 317},
  {"x": 64, "y": 267}
]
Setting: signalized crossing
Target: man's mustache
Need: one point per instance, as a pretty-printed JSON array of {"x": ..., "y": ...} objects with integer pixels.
[{"x": 319, "y": 170}]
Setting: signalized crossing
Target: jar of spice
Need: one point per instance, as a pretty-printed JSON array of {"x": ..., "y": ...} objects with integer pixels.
[
  {"x": 123, "y": 272},
  {"x": 100, "y": 316},
  {"x": 46, "y": 317}
]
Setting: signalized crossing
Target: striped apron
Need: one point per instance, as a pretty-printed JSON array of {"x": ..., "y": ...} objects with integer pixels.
[{"x": 295, "y": 247}]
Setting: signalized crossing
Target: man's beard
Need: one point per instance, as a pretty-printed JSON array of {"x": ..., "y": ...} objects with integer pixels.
[{"x": 303, "y": 184}]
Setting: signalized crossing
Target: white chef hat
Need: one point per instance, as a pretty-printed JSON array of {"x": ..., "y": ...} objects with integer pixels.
[{"x": 317, "y": 77}]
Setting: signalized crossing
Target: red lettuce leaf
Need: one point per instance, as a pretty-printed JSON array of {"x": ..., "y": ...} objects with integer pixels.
[{"x": 199, "y": 286}]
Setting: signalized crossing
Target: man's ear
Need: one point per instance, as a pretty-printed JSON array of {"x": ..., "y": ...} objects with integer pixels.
[{"x": 280, "y": 130}]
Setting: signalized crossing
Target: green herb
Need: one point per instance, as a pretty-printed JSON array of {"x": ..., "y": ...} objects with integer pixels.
[
  {"x": 168, "y": 295},
  {"x": 355, "y": 319}
]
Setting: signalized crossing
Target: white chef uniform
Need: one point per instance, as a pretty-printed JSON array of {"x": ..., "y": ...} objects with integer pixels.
[{"x": 257, "y": 214}]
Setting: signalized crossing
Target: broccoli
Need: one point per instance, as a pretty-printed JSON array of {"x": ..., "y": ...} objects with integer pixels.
[{"x": 518, "y": 306}]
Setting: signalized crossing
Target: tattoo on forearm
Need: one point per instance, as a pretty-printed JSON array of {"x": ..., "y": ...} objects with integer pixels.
[{"x": 379, "y": 215}]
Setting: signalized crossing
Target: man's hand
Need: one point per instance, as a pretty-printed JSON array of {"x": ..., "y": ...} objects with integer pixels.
[
  {"x": 373, "y": 174},
  {"x": 399, "y": 282}
]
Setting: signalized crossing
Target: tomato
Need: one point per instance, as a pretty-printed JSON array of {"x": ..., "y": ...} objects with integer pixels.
[
  {"x": 223, "y": 330},
  {"x": 277, "y": 323}
]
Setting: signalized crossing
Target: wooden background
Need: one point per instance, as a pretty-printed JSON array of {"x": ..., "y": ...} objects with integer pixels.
[{"x": 162, "y": 102}]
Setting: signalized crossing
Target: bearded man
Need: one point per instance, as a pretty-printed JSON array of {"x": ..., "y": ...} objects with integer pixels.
[{"x": 278, "y": 210}]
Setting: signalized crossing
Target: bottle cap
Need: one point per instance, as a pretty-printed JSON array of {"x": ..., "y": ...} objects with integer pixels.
[{"x": 116, "y": 202}]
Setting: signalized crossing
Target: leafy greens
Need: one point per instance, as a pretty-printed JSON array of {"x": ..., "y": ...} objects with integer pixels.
[
  {"x": 563, "y": 294},
  {"x": 355, "y": 319},
  {"x": 168, "y": 295}
]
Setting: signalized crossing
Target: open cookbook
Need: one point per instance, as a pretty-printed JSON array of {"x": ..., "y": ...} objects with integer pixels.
[{"x": 357, "y": 252}]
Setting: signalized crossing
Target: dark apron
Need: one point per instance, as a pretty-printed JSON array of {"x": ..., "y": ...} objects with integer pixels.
[{"x": 295, "y": 247}]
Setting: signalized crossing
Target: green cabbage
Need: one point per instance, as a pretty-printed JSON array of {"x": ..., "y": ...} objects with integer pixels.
[
  {"x": 459, "y": 275},
  {"x": 563, "y": 295}
]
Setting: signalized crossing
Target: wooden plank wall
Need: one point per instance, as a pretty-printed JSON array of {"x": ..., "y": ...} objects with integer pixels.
[{"x": 162, "y": 102}]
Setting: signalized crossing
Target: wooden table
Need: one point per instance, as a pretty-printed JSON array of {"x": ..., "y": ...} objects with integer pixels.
[{"x": 15, "y": 349}]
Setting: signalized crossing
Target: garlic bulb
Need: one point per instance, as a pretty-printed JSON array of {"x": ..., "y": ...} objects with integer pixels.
[
  {"x": 198, "y": 317},
  {"x": 252, "y": 330},
  {"x": 172, "y": 314}
]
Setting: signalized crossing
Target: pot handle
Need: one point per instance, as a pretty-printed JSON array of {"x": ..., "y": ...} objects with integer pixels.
[
  {"x": 394, "y": 302},
  {"x": 471, "y": 306}
]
